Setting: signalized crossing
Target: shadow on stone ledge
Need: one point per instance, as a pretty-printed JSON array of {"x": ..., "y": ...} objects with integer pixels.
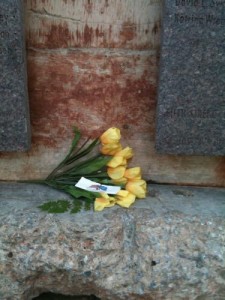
[{"x": 51, "y": 296}]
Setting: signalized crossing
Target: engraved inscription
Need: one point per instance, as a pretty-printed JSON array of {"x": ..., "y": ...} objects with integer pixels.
[
  {"x": 3, "y": 18},
  {"x": 191, "y": 94},
  {"x": 185, "y": 141},
  {"x": 6, "y": 18},
  {"x": 200, "y": 18},
  {"x": 201, "y": 3},
  {"x": 194, "y": 113},
  {"x": 4, "y": 34}
]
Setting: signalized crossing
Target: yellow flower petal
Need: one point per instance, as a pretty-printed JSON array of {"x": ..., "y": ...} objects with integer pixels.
[
  {"x": 122, "y": 193},
  {"x": 120, "y": 181},
  {"x": 109, "y": 198},
  {"x": 124, "y": 163},
  {"x": 115, "y": 161},
  {"x": 104, "y": 195},
  {"x": 110, "y": 136},
  {"x": 110, "y": 149},
  {"x": 116, "y": 173},
  {"x": 127, "y": 153},
  {"x": 101, "y": 203},
  {"x": 137, "y": 187},
  {"x": 133, "y": 173},
  {"x": 125, "y": 199}
]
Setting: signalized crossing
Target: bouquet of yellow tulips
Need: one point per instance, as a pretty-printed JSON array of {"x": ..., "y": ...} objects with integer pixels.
[
  {"x": 108, "y": 166},
  {"x": 130, "y": 178}
]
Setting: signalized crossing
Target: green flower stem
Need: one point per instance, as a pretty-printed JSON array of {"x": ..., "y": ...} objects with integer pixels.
[
  {"x": 81, "y": 160},
  {"x": 41, "y": 181}
]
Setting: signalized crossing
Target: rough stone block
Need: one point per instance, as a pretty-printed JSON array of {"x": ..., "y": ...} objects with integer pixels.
[
  {"x": 191, "y": 109},
  {"x": 14, "y": 115},
  {"x": 168, "y": 246}
]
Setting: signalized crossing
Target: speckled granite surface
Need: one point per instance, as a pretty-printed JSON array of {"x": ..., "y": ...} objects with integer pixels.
[
  {"x": 170, "y": 246},
  {"x": 191, "y": 110},
  {"x": 14, "y": 112}
]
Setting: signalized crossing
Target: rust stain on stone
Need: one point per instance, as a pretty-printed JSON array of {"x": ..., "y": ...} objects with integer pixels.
[
  {"x": 66, "y": 1},
  {"x": 88, "y": 35},
  {"x": 60, "y": 31},
  {"x": 99, "y": 33},
  {"x": 155, "y": 29},
  {"x": 88, "y": 6},
  {"x": 82, "y": 88},
  {"x": 141, "y": 108},
  {"x": 50, "y": 35},
  {"x": 128, "y": 31},
  {"x": 57, "y": 36},
  {"x": 46, "y": 97}
]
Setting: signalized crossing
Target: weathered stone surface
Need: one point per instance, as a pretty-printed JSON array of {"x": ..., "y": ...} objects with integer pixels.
[
  {"x": 95, "y": 64},
  {"x": 169, "y": 246},
  {"x": 14, "y": 115},
  {"x": 191, "y": 109},
  {"x": 94, "y": 24}
]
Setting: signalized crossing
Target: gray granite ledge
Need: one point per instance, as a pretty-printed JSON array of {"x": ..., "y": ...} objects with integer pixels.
[
  {"x": 160, "y": 199},
  {"x": 169, "y": 246}
]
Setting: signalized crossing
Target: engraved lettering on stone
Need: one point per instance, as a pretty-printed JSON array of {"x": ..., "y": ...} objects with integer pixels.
[
  {"x": 191, "y": 95},
  {"x": 199, "y": 19},
  {"x": 194, "y": 113},
  {"x": 201, "y": 3}
]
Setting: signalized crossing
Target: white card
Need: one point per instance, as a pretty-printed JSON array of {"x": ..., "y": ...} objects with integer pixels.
[{"x": 93, "y": 186}]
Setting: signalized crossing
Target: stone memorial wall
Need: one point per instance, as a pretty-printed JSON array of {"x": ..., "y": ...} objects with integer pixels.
[
  {"x": 191, "y": 106},
  {"x": 14, "y": 112},
  {"x": 94, "y": 64}
]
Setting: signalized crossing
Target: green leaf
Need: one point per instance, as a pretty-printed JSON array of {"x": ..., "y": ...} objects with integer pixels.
[
  {"x": 91, "y": 166},
  {"x": 77, "y": 136},
  {"x": 88, "y": 205},
  {"x": 79, "y": 193},
  {"x": 59, "y": 206},
  {"x": 76, "y": 207},
  {"x": 84, "y": 152}
]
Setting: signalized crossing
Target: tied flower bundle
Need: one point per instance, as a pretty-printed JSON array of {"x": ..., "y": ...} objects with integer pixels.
[
  {"x": 107, "y": 166},
  {"x": 130, "y": 178}
]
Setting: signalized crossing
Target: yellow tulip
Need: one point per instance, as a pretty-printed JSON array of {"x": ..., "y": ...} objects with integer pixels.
[
  {"x": 122, "y": 193},
  {"x": 125, "y": 198},
  {"x": 117, "y": 161},
  {"x": 110, "y": 136},
  {"x": 127, "y": 153},
  {"x": 137, "y": 187},
  {"x": 110, "y": 149},
  {"x": 104, "y": 201},
  {"x": 133, "y": 173},
  {"x": 120, "y": 181},
  {"x": 116, "y": 173}
]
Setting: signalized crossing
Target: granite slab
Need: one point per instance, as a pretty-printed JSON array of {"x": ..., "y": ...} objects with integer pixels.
[
  {"x": 14, "y": 108},
  {"x": 191, "y": 94},
  {"x": 169, "y": 246}
]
